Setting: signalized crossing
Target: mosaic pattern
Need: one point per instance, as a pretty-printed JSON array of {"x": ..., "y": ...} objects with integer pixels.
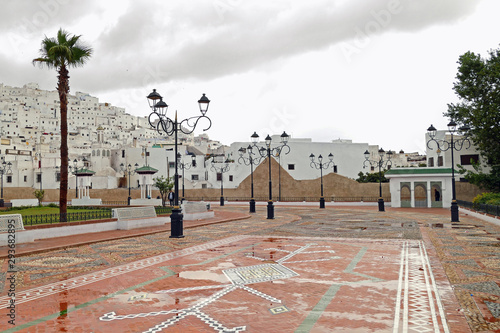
[
  {"x": 470, "y": 252},
  {"x": 239, "y": 278},
  {"x": 418, "y": 305}
]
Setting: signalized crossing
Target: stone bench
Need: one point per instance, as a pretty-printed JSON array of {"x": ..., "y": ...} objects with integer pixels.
[
  {"x": 137, "y": 217},
  {"x": 23, "y": 202},
  {"x": 12, "y": 230},
  {"x": 196, "y": 210}
]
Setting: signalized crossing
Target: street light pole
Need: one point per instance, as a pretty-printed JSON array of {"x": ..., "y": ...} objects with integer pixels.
[
  {"x": 222, "y": 169},
  {"x": 268, "y": 152},
  {"x": 250, "y": 160},
  {"x": 129, "y": 171},
  {"x": 158, "y": 119},
  {"x": 6, "y": 168},
  {"x": 320, "y": 165},
  {"x": 184, "y": 166},
  {"x": 457, "y": 145},
  {"x": 381, "y": 163}
]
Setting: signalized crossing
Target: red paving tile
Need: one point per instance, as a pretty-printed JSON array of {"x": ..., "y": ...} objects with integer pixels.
[{"x": 249, "y": 283}]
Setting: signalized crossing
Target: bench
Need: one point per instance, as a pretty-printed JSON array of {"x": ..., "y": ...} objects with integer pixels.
[
  {"x": 23, "y": 202},
  {"x": 12, "y": 230},
  {"x": 196, "y": 210},
  {"x": 137, "y": 217}
]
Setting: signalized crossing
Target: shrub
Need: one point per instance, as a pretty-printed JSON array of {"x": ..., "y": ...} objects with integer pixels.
[{"x": 487, "y": 198}]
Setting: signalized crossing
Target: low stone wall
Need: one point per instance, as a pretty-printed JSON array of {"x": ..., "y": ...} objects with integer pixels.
[{"x": 334, "y": 185}]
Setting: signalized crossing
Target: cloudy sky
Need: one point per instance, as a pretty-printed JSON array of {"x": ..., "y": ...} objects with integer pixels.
[{"x": 373, "y": 71}]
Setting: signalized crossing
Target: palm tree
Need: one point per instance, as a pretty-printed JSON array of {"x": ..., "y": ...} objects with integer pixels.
[{"x": 60, "y": 53}]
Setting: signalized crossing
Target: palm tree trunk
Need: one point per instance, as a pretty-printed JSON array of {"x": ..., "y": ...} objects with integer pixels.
[{"x": 63, "y": 89}]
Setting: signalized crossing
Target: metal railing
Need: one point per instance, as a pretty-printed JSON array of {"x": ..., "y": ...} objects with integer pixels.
[
  {"x": 288, "y": 199},
  {"x": 484, "y": 208},
  {"x": 69, "y": 217}
]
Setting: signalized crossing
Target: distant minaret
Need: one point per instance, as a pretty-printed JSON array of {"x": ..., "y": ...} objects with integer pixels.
[{"x": 100, "y": 135}]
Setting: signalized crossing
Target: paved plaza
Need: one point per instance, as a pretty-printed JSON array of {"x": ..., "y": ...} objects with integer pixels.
[{"x": 339, "y": 269}]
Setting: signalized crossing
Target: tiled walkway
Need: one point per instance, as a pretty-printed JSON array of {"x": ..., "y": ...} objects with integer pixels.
[{"x": 342, "y": 269}]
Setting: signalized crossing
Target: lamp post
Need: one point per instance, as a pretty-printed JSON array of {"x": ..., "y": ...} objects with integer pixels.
[
  {"x": 320, "y": 165},
  {"x": 250, "y": 160},
  {"x": 184, "y": 166},
  {"x": 130, "y": 172},
  {"x": 268, "y": 152},
  {"x": 38, "y": 157},
  {"x": 6, "y": 168},
  {"x": 158, "y": 119},
  {"x": 381, "y": 163},
  {"x": 75, "y": 162},
  {"x": 221, "y": 169},
  {"x": 444, "y": 145}
]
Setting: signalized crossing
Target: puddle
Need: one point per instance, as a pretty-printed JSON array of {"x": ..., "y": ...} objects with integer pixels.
[{"x": 203, "y": 275}]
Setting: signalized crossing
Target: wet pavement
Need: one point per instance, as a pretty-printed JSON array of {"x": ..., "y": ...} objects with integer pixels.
[{"x": 341, "y": 269}]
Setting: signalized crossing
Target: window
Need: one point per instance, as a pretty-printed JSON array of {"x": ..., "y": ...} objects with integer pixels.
[
  {"x": 440, "y": 161},
  {"x": 171, "y": 165},
  {"x": 58, "y": 176},
  {"x": 194, "y": 177},
  {"x": 38, "y": 177},
  {"x": 291, "y": 166},
  {"x": 335, "y": 170},
  {"x": 9, "y": 179},
  {"x": 219, "y": 176},
  {"x": 431, "y": 161},
  {"x": 230, "y": 178},
  {"x": 469, "y": 159},
  {"x": 25, "y": 179}
]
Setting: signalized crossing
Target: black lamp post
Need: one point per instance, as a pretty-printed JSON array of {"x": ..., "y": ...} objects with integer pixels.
[
  {"x": 445, "y": 145},
  {"x": 320, "y": 165},
  {"x": 381, "y": 163},
  {"x": 268, "y": 152},
  {"x": 184, "y": 166},
  {"x": 75, "y": 167},
  {"x": 6, "y": 168},
  {"x": 220, "y": 169},
  {"x": 38, "y": 157},
  {"x": 164, "y": 125},
  {"x": 130, "y": 172},
  {"x": 250, "y": 160}
]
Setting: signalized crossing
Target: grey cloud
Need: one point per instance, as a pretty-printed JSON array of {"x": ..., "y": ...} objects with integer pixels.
[
  {"x": 182, "y": 46},
  {"x": 31, "y": 17}
]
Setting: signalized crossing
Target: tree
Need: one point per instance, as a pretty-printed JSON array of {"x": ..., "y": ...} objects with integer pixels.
[
  {"x": 61, "y": 53},
  {"x": 164, "y": 185},
  {"x": 39, "y": 194},
  {"x": 477, "y": 86},
  {"x": 371, "y": 177}
]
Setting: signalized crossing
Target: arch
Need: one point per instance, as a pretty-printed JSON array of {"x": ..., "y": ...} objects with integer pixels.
[
  {"x": 420, "y": 194},
  {"x": 405, "y": 195},
  {"x": 436, "y": 195}
]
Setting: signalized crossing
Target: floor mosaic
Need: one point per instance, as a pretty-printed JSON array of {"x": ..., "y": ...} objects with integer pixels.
[{"x": 261, "y": 281}]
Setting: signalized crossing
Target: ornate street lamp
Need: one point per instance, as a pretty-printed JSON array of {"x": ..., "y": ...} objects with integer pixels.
[
  {"x": 220, "y": 169},
  {"x": 185, "y": 166},
  {"x": 5, "y": 169},
  {"x": 250, "y": 160},
  {"x": 158, "y": 119},
  {"x": 38, "y": 157},
  {"x": 268, "y": 152},
  {"x": 320, "y": 165},
  {"x": 130, "y": 172},
  {"x": 444, "y": 145},
  {"x": 381, "y": 163},
  {"x": 75, "y": 167}
]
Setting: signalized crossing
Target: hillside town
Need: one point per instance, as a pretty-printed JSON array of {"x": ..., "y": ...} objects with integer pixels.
[{"x": 102, "y": 137}]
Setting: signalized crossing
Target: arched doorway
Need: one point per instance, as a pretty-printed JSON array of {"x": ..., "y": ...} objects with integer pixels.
[
  {"x": 420, "y": 195},
  {"x": 405, "y": 195},
  {"x": 436, "y": 195}
]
